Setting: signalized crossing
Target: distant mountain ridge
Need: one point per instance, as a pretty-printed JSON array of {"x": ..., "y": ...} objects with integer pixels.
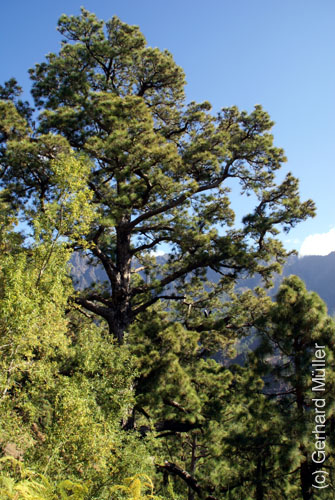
[{"x": 317, "y": 271}]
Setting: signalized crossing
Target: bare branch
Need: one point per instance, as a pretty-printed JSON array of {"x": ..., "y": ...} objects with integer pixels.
[
  {"x": 148, "y": 246},
  {"x": 139, "y": 269},
  {"x": 183, "y": 474},
  {"x": 175, "y": 404}
]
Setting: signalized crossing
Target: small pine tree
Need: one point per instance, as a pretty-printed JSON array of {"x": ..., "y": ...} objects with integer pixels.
[{"x": 296, "y": 325}]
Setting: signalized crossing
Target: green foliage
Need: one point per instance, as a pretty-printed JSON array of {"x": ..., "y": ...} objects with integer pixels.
[
  {"x": 64, "y": 386},
  {"x": 147, "y": 168},
  {"x": 24, "y": 484},
  {"x": 295, "y": 324},
  {"x": 122, "y": 380},
  {"x": 28, "y": 485},
  {"x": 134, "y": 488}
]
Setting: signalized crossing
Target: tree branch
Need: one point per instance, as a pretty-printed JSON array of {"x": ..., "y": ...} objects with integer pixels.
[
  {"x": 147, "y": 246},
  {"x": 104, "y": 312},
  {"x": 152, "y": 301},
  {"x": 180, "y": 199},
  {"x": 183, "y": 474}
]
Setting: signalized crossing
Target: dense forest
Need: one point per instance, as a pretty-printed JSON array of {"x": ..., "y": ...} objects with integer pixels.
[{"x": 126, "y": 389}]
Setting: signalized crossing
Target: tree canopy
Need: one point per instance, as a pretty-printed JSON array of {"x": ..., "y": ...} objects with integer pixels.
[{"x": 157, "y": 170}]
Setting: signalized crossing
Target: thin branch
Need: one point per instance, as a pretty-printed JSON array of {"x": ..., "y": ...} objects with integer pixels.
[
  {"x": 153, "y": 300},
  {"x": 175, "y": 404},
  {"x": 139, "y": 269},
  {"x": 183, "y": 474},
  {"x": 178, "y": 201},
  {"x": 148, "y": 246}
]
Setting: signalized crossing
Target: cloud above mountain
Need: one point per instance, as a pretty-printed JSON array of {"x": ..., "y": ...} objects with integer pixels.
[{"x": 318, "y": 244}]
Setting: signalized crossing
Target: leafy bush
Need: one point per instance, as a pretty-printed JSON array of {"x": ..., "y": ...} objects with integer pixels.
[{"x": 20, "y": 483}]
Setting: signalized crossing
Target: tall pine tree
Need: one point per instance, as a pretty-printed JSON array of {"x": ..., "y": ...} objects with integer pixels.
[{"x": 160, "y": 169}]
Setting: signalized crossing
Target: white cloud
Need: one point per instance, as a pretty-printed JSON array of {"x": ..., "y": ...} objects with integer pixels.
[{"x": 318, "y": 244}]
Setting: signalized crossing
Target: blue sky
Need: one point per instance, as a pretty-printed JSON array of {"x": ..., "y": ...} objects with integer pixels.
[{"x": 278, "y": 53}]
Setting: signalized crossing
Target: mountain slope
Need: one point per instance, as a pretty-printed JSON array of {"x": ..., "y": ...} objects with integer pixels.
[{"x": 318, "y": 272}]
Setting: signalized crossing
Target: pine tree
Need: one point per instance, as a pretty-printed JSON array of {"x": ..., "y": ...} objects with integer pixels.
[
  {"x": 202, "y": 412},
  {"x": 117, "y": 164},
  {"x": 296, "y": 329},
  {"x": 160, "y": 170}
]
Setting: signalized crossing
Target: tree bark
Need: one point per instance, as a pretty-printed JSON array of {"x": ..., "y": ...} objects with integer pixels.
[
  {"x": 259, "y": 483},
  {"x": 305, "y": 468},
  {"x": 191, "y": 493},
  {"x": 121, "y": 304}
]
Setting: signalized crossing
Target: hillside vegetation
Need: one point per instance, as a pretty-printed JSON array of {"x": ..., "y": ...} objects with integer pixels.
[{"x": 112, "y": 390}]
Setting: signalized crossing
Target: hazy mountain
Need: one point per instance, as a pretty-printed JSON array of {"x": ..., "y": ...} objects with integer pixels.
[
  {"x": 84, "y": 273},
  {"x": 318, "y": 272}
]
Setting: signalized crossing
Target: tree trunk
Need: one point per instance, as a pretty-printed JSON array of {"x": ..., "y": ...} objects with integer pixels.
[
  {"x": 306, "y": 480},
  {"x": 121, "y": 303},
  {"x": 305, "y": 469},
  {"x": 191, "y": 492},
  {"x": 260, "y": 475}
]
